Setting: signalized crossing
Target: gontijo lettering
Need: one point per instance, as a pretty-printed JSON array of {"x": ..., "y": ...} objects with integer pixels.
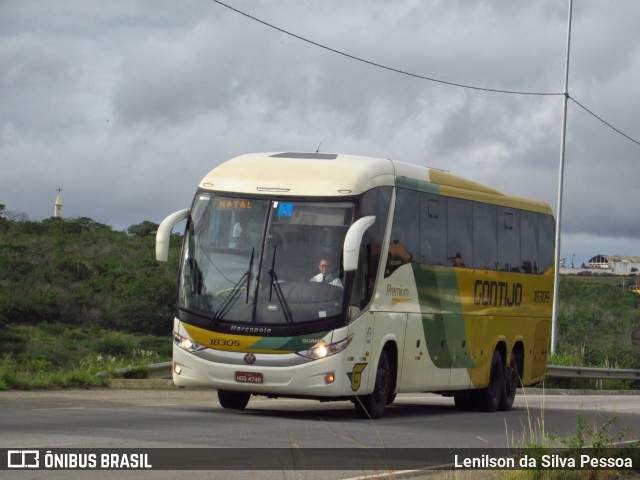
[{"x": 497, "y": 294}]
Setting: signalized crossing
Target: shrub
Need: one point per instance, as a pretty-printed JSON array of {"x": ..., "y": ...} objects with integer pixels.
[{"x": 114, "y": 344}]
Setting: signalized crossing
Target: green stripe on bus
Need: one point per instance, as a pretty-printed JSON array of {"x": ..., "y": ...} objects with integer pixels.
[
  {"x": 288, "y": 344},
  {"x": 419, "y": 185},
  {"x": 442, "y": 318}
]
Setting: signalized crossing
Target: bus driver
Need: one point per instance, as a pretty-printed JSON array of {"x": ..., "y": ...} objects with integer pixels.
[{"x": 327, "y": 275}]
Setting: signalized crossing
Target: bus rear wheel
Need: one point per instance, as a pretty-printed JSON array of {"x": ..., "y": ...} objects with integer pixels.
[
  {"x": 488, "y": 399},
  {"x": 511, "y": 383},
  {"x": 233, "y": 400},
  {"x": 372, "y": 406}
]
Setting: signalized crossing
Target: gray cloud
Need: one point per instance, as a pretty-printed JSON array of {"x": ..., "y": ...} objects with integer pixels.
[{"x": 126, "y": 105}]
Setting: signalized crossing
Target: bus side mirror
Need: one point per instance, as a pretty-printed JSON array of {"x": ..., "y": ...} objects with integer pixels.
[
  {"x": 164, "y": 233},
  {"x": 352, "y": 241}
]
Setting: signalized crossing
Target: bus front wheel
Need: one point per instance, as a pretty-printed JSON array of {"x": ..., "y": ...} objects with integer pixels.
[
  {"x": 372, "y": 406},
  {"x": 233, "y": 400}
]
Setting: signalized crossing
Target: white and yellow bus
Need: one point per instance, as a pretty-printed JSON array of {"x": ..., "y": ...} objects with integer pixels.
[{"x": 440, "y": 284}]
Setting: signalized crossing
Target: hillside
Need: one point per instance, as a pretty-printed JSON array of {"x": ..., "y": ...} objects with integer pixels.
[
  {"x": 82, "y": 273},
  {"x": 81, "y": 276},
  {"x": 597, "y": 316},
  {"x": 597, "y": 312}
]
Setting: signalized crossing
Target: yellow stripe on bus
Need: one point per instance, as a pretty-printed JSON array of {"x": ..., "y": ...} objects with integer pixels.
[{"x": 221, "y": 341}]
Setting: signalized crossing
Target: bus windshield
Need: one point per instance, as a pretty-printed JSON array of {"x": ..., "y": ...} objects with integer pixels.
[{"x": 256, "y": 260}]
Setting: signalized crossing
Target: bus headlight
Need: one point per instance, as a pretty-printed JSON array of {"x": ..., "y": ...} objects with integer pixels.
[
  {"x": 323, "y": 350},
  {"x": 186, "y": 343}
]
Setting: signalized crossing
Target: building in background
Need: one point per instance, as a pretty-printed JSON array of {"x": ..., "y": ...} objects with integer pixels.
[
  {"x": 57, "y": 208},
  {"x": 615, "y": 264}
]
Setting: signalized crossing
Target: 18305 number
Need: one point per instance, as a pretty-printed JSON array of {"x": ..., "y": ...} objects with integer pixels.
[
  {"x": 541, "y": 296},
  {"x": 223, "y": 342}
]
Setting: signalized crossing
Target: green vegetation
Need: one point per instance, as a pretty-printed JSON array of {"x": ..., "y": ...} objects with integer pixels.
[
  {"x": 77, "y": 296},
  {"x": 596, "y": 313},
  {"x": 606, "y": 442},
  {"x": 597, "y": 316},
  {"x": 81, "y": 272}
]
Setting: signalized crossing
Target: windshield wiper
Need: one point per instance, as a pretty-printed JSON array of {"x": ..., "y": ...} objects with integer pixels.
[
  {"x": 234, "y": 294},
  {"x": 281, "y": 299},
  {"x": 248, "y": 273}
]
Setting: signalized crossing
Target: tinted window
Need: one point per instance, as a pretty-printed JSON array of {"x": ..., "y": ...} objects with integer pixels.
[
  {"x": 433, "y": 230},
  {"x": 405, "y": 233},
  {"x": 508, "y": 240},
  {"x": 529, "y": 242},
  {"x": 375, "y": 202},
  {"x": 459, "y": 224},
  {"x": 546, "y": 242},
  {"x": 485, "y": 239},
  {"x": 444, "y": 231}
]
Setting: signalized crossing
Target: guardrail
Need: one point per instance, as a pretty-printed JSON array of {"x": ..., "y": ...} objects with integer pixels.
[
  {"x": 157, "y": 370},
  {"x": 160, "y": 370},
  {"x": 163, "y": 370},
  {"x": 592, "y": 373}
]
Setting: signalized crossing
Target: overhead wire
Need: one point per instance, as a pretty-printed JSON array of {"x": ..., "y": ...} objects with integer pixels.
[
  {"x": 418, "y": 76},
  {"x": 379, "y": 65},
  {"x": 602, "y": 120}
]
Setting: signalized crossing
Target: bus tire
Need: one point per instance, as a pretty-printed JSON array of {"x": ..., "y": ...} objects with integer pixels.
[
  {"x": 372, "y": 406},
  {"x": 511, "y": 383},
  {"x": 488, "y": 399},
  {"x": 233, "y": 400}
]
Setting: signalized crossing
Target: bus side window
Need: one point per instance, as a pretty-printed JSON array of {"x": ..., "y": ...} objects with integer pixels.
[
  {"x": 509, "y": 240},
  {"x": 485, "y": 238},
  {"x": 433, "y": 229},
  {"x": 459, "y": 233},
  {"x": 405, "y": 233},
  {"x": 546, "y": 230},
  {"x": 374, "y": 202},
  {"x": 529, "y": 242}
]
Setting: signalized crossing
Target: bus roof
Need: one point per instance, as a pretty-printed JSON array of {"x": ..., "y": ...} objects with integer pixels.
[{"x": 331, "y": 175}]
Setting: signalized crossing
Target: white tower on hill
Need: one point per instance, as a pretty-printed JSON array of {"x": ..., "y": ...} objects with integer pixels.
[{"x": 57, "y": 208}]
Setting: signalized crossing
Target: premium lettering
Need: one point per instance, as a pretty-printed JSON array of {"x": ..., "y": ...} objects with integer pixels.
[{"x": 397, "y": 291}]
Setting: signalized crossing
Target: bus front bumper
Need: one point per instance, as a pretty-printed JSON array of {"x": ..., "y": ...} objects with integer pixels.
[{"x": 318, "y": 378}]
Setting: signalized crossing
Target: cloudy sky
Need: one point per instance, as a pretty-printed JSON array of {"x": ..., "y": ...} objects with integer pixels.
[{"x": 127, "y": 104}]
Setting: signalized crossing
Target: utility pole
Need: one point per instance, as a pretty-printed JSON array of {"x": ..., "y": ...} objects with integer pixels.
[{"x": 556, "y": 279}]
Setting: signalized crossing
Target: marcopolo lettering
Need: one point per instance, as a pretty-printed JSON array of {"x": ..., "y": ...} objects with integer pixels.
[
  {"x": 497, "y": 294},
  {"x": 243, "y": 329}
]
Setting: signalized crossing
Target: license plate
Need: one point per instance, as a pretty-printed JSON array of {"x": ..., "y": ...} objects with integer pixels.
[{"x": 249, "y": 377}]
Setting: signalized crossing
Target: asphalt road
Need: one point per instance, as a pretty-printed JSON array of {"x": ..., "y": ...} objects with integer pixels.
[{"x": 178, "y": 418}]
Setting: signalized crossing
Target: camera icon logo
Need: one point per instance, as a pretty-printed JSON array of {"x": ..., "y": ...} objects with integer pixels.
[{"x": 23, "y": 459}]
